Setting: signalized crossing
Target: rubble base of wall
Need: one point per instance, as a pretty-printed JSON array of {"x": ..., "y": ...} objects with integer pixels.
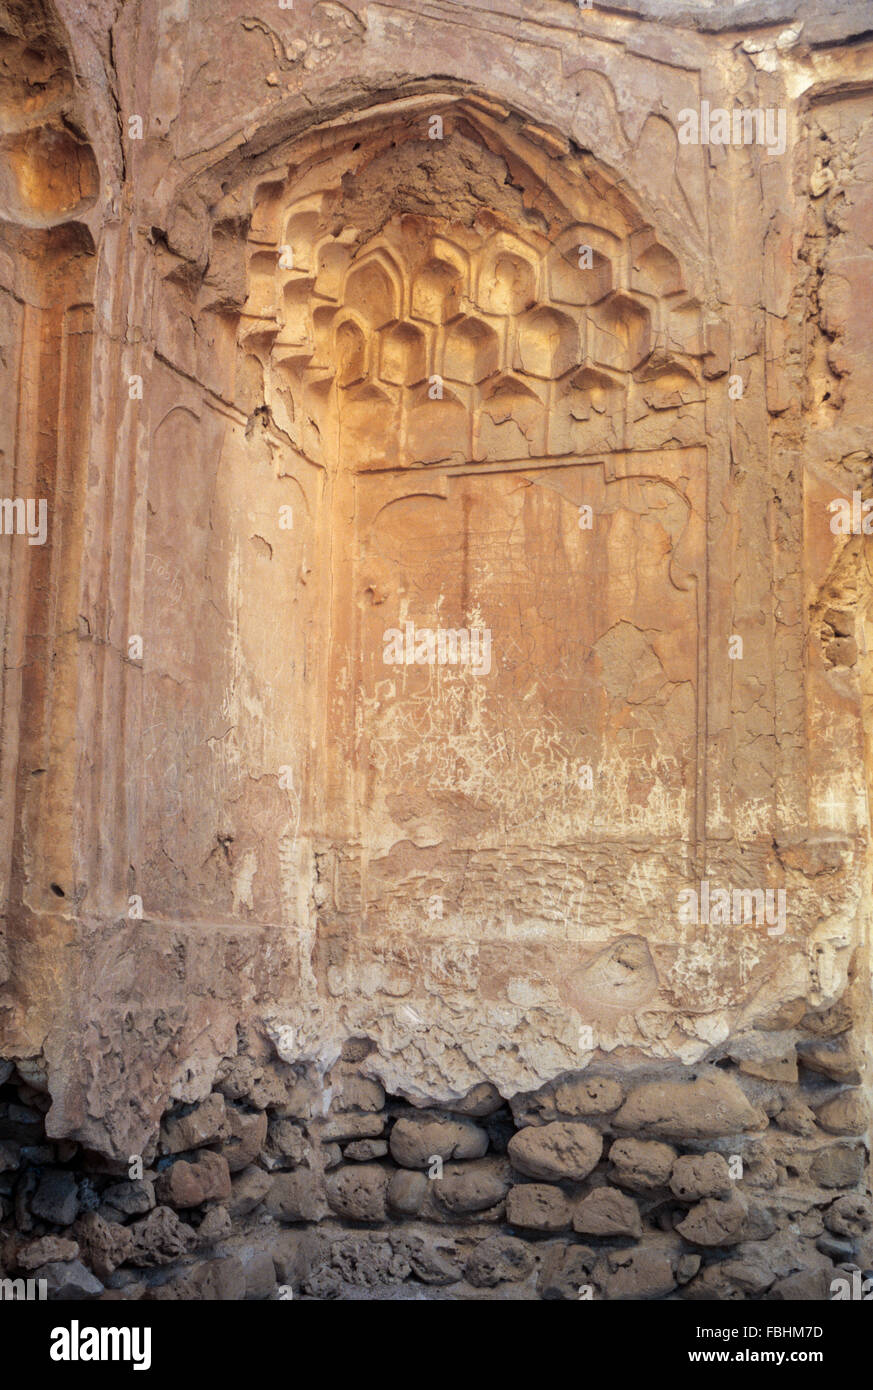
[{"x": 721, "y": 1181}]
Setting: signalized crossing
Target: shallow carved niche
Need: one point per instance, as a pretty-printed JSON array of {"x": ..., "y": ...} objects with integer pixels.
[
  {"x": 48, "y": 180},
  {"x": 491, "y": 396},
  {"x": 48, "y": 173}
]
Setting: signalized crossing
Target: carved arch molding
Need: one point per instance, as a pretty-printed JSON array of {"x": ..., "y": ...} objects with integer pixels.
[{"x": 452, "y": 348}]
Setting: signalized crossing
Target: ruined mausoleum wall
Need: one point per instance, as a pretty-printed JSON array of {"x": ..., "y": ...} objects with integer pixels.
[{"x": 434, "y": 823}]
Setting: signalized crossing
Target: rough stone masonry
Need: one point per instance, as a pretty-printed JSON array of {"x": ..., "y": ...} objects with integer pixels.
[{"x": 530, "y": 327}]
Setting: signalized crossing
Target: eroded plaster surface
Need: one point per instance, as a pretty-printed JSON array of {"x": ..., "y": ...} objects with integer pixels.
[{"x": 322, "y": 347}]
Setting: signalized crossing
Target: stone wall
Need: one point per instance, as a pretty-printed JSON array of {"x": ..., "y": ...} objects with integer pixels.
[
  {"x": 740, "y": 1179},
  {"x": 309, "y": 337}
]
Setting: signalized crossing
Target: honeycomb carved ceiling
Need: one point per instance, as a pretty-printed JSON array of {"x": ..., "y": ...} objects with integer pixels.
[{"x": 473, "y": 297}]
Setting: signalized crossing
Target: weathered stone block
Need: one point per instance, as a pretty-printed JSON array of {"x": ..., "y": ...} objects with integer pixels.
[
  {"x": 708, "y": 1108},
  {"x": 471, "y": 1187},
  {"x": 538, "y": 1207},
  {"x": 132, "y": 1198},
  {"x": 606, "y": 1212},
  {"x": 69, "y": 1281},
  {"x": 296, "y": 1196},
  {"x": 287, "y": 1145},
  {"x": 160, "y": 1238},
  {"x": 246, "y": 1135},
  {"x": 407, "y": 1190},
  {"x": 498, "y": 1259},
  {"x": 105, "y": 1244},
  {"x": 215, "y": 1226},
  {"x": 838, "y": 1165},
  {"x": 567, "y": 1269},
  {"x": 56, "y": 1198},
  {"x": 641, "y": 1164},
  {"x": 202, "y": 1124},
  {"x": 840, "y": 1059},
  {"x": 847, "y": 1113},
  {"x": 648, "y": 1271},
  {"x": 186, "y": 1184},
  {"x": 415, "y": 1140},
  {"x": 341, "y": 1128},
  {"x": 556, "y": 1151},
  {"x": 714, "y": 1222},
  {"x": 480, "y": 1101},
  {"x": 358, "y": 1192},
  {"x": 594, "y": 1095},
  {"x": 46, "y": 1250},
  {"x": 700, "y": 1175},
  {"x": 850, "y": 1215},
  {"x": 358, "y": 1093}
]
